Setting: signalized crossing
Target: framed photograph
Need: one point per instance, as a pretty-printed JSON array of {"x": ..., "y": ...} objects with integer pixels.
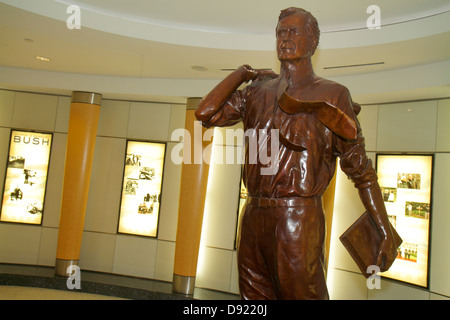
[
  {"x": 141, "y": 189},
  {"x": 26, "y": 177},
  {"x": 406, "y": 185}
]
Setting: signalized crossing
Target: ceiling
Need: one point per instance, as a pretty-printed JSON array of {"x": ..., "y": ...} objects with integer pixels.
[{"x": 201, "y": 40}]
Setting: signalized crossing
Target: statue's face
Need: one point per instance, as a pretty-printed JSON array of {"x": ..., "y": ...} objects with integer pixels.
[{"x": 293, "y": 40}]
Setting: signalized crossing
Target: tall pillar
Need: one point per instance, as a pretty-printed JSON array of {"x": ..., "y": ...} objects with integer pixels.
[
  {"x": 84, "y": 114},
  {"x": 194, "y": 178}
]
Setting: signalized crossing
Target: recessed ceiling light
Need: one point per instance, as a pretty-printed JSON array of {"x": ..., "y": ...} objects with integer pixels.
[{"x": 41, "y": 58}]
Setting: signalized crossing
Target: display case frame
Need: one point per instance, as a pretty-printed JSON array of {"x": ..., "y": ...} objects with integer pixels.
[
  {"x": 25, "y": 204},
  {"x": 406, "y": 182},
  {"x": 142, "y": 185}
]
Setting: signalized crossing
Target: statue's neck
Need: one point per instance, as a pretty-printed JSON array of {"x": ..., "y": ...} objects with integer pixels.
[{"x": 297, "y": 73}]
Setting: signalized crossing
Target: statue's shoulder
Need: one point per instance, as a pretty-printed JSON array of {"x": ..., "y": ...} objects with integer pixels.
[
  {"x": 331, "y": 88},
  {"x": 336, "y": 94},
  {"x": 264, "y": 84}
]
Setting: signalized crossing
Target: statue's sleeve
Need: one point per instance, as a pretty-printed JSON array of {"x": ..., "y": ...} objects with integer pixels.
[
  {"x": 232, "y": 111},
  {"x": 352, "y": 153}
]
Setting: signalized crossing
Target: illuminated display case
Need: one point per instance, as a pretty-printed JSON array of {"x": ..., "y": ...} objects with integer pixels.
[
  {"x": 141, "y": 189},
  {"x": 406, "y": 185},
  {"x": 26, "y": 177}
]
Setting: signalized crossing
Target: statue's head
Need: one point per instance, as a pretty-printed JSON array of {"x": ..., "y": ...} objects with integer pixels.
[{"x": 297, "y": 34}]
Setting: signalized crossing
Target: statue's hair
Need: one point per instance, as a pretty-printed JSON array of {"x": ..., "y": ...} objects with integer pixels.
[{"x": 312, "y": 26}]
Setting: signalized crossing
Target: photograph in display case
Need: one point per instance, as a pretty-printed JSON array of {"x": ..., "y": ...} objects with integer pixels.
[
  {"x": 406, "y": 183},
  {"x": 26, "y": 177},
  {"x": 141, "y": 192}
]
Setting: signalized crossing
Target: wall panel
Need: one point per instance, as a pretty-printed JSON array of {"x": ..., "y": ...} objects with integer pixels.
[
  {"x": 63, "y": 114},
  {"x": 443, "y": 126},
  {"x": 165, "y": 257},
  {"x": 52, "y": 206},
  {"x": 368, "y": 118},
  {"x": 113, "y": 121},
  {"x": 407, "y": 126},
  {"x": 19, "y": 243},
  {"x": 440, "y": 227},
  {"x": 149, "y": 121},
  {"x": 6, "y": 107},
  {"x": 170, "y": 196},
  {"x": 135, "y": 256},
  {"x": 97, "y": 251},
  {"x": 102, "y": 212},
  {"x": 34, "y": 111}
]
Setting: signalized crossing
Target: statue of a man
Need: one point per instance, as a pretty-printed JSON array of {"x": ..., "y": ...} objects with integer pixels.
[{"x": 281, "y": 249}]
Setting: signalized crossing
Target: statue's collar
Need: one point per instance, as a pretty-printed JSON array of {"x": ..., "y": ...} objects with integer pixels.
[{"x": 331, "y": 116}]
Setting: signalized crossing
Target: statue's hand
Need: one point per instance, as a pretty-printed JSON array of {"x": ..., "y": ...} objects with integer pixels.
[
  {"x": 257, "y": 74},
  {"x": 387, "y": 253},
  {"x": 248, "y": 72}
]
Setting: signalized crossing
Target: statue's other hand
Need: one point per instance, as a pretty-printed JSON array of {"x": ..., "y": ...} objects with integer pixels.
[{"x": 386, "y": 254}]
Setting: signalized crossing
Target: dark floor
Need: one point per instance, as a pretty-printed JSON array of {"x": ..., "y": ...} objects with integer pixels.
[{"x": 102, "y": 284}]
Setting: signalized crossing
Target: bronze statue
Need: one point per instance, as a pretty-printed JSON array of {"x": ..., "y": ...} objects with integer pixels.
[{"x": 280, "y": 255}]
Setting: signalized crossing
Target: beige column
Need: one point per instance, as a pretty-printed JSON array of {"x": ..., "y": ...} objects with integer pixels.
[
  {"x": 194, "y": 178},
  {"x": 84, "y": 114}
]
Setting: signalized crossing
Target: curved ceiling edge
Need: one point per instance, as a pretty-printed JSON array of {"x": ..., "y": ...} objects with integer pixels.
[
  {"x": 236, "y": 41},
  {"x": 413, "y": 29},
  {"x": 435, "y": 75}
]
